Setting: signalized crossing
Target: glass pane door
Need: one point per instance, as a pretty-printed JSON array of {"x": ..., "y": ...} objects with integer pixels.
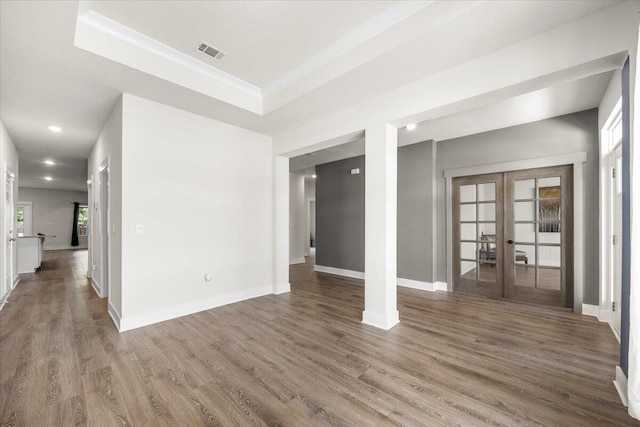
[
  {"x": 538, "y": 267},
  {"x": 478, "y": 234}
]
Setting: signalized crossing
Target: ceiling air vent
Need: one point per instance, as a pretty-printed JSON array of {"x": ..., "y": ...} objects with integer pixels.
[{"x": 210, "y": 50}]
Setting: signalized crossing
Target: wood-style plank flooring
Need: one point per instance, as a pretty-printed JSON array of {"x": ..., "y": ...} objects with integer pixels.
[{"x": 300, "y": 359}]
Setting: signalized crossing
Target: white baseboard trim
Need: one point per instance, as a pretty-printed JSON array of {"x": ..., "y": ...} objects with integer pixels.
[
  {"x": 282, "y": 288},
  {"x": 63, "y": 247},
  {"x": 423, "y": 286},
  {"x": 156, "y": 316},
  {"x": 615, "y": 333},
  {"x": 339, "y": 271},
  {"x": 96, "y": 287},
  {"x": 590, "y": 310},
  {"x": 115, "y": 316},
  {"x": 443, "y": 286},
  {"x": 297, "y": 261},
  {"x": 5, "y": 297},
  {"x": 15, "y": 282},
  {"x": 381, "y": 321},
  {"x": 605, "y": 315},
  {"x": 621, "y": 386}
]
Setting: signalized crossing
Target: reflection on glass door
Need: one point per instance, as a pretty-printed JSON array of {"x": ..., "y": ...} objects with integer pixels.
[
  {"x": 538, "y": 229},
  {"x": 478, "y": 239},
  {"x": 512, "y": 235}
]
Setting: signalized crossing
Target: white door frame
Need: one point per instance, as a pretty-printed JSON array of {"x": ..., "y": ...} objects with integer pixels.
[
  {"x": 608, "y": 144},
  {"x": 307, "y": 245},
  {"x": 90, "y": 227},
  {"x": 27, "y": 209},
  {"x": 105, "y": 232},
  {"x": 575, "y": 159},
  {"x": 9, "y": 234}
]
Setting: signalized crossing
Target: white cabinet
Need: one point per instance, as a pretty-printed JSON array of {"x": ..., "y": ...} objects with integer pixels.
[{"x": 30, "y": 251}]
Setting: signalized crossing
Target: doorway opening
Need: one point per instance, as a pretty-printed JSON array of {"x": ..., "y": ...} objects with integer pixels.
[
  {"x": 105, "y": 220},
  {"x": 611, "y": 225},
  {"x": 10, "y": 236},
  {"x": 513, "y": 235}
]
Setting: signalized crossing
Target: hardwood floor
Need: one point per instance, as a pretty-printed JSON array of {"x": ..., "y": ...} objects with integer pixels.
[{"x": 300, "y": 359}]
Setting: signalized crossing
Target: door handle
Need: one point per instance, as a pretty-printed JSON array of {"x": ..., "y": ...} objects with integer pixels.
[{"x": 510, "y": 242}]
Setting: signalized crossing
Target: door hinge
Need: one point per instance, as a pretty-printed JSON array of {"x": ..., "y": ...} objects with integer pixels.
[
  {"x": 615, "y": 239},
  {"x": 613, "y": 306},
  {"x": 613, "y": 173}
]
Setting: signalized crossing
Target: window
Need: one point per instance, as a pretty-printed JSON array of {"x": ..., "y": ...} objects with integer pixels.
[
  {"x": 20, "y": 221},
  {"x": 83, "y": 220}
]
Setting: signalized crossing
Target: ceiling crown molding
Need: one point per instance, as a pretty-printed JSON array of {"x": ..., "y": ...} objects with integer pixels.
[
  {"x": 94, "y": 29},
  {"x": 361, "y": 34}
]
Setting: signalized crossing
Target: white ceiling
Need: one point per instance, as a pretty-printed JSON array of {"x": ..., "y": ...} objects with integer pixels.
[
  {"x": 263, "y": 39},
  {"x": 305, "y": 59},
  {"x": 553, "y": 101}
]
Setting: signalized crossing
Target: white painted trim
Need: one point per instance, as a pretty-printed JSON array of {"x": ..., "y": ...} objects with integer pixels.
[
  {"x": 442, "y": 286},
  {"x": 28, "y": 216},
  {"x": 604, "y": 315},
  {"x": 615, "y": 333},
  {"x": 156, "y": 316},
  {"x": 620, "y": 384},
  {"x": 61, "y": 247},
  {"x": 381, "y": 321},
  {"x": 356, "y": 37},
  {"x": 300, "y": 260},
  {"x": 591, "y": 310},
  {"x": 449, "y": 208},
  {"x": 282, "y": 289},
  {"x": 15, "y": 282},
  {"x": 423, "y": 286},
  {"x": 575, "y": 159},
  {"x": 128, "y": 35},
  {"x": 339, "y": 271},
  {"x": 115, "y": 316},
  {"x": 578, "y": 236},
  {"x": 96, "y": 287},
  {"x": 416, "y": 284},
  {"x": 539, "y": 162},
  {"x": 5, "y": 297}
]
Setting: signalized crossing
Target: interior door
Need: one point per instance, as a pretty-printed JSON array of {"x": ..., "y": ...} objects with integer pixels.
[
  {"x": 478, "y": 234},
  {"x": 539, "y": 236},
  {"x": 9, "y": 227},
  {"x": 616, "y": 223}
]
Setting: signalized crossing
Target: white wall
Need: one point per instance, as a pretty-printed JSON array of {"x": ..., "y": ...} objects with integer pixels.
[
  {"x": 53, "y": 214},
  {"x": 297, "y": 219},
  {"x": 203, "y": 192},
  {"x": 8, "y": 157},
  {"x": 109, "y": 146}
]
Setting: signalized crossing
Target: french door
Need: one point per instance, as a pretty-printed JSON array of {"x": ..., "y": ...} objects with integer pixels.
[{"x": 513, "y": 235}]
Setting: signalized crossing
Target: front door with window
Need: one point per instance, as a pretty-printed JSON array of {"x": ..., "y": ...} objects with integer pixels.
[{"x": 513, "y": 235}]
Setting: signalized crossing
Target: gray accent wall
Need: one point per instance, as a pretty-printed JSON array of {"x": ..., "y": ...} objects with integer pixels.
[
  {"x": 340, "y": 214},
  {"x": 415, "y": 207},
  {"x": 340, "y": 196},
  {"x": 560, "y": 135}
]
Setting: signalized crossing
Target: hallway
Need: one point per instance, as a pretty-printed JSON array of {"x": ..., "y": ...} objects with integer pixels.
[{"x": 300, "y": 359}]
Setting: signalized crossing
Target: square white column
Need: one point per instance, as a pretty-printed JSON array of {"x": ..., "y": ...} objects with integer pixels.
[
  {"x": 380, "y": 283},
  {"x": 280, "y": 225}
]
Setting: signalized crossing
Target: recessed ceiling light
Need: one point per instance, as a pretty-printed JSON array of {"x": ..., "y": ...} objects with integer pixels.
[
  {"x": 55, "y": 129},
  {"x": 48, "y": 178},
  {"x": 49, "y": 162},
  {"x": 314, "y": 176},
  {"x": 411, "y": 126}
]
